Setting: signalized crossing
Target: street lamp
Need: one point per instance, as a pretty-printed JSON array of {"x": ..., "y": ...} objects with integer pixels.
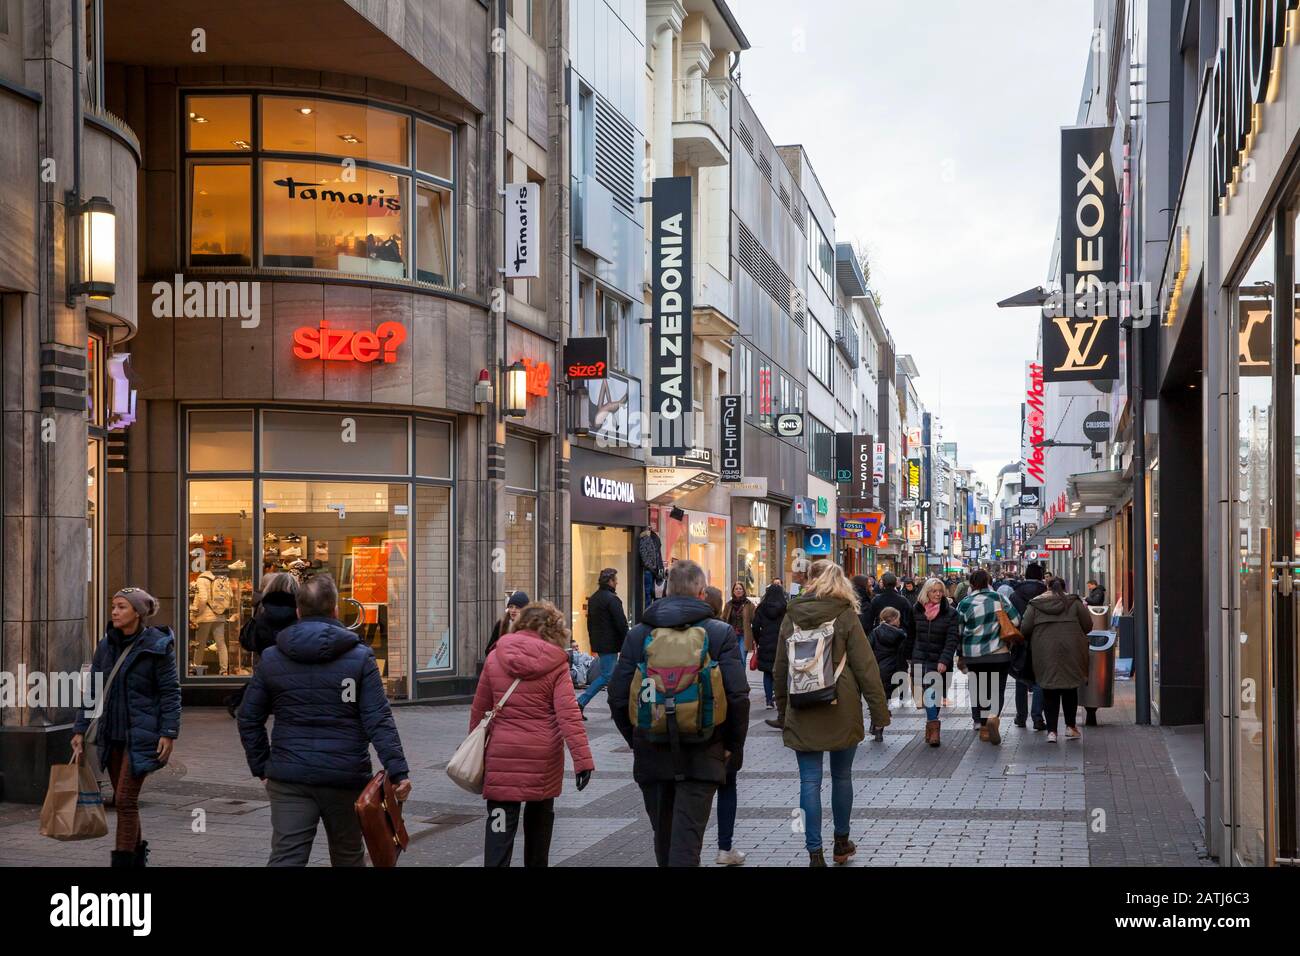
[
  {"x": 514, "y": 391},
  {"x": 97, "y": 249}
]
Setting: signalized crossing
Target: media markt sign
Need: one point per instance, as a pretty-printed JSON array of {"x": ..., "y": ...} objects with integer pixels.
[{"x": 1058, "y": 544}]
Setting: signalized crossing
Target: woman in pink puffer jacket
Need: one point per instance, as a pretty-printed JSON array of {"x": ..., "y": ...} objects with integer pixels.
[{"x": 524, "y": 763}]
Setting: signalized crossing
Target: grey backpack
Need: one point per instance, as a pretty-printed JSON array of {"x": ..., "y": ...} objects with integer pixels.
[{"x": 812, "y": 672}]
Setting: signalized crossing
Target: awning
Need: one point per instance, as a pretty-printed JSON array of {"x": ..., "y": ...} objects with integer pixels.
[
  {"x": 1068, "y": 523},
  {"x": 1106, "y": 488}
]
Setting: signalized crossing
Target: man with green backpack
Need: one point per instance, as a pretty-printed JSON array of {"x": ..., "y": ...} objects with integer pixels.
[{"x": 680, "y": 698}]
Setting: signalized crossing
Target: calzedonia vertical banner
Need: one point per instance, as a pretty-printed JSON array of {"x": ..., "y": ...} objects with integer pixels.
[
  {"x": 670, "y": 316},
  {"x": 1081, "y": 342}
]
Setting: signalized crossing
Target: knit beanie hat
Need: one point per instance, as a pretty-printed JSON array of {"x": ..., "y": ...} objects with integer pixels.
[
  {"x": 517, "y": 599},
  {"x": 145, "y": 604}
]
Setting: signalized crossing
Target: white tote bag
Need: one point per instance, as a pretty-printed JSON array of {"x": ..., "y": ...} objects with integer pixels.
[{"x": 466, "y": 765}]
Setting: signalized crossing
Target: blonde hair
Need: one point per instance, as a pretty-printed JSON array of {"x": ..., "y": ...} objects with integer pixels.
[
  {"x": 545, "y": 620},
  {"x": 932, "y": 583},
  {"x": 826, "y": 579},
  {"x": 890, "y": 614}
]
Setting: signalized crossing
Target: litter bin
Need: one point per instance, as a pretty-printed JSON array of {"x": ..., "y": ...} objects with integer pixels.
[{"x": 1100, "y": 689}]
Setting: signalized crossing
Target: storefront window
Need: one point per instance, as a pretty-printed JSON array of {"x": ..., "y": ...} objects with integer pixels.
[
  {"x": 355, "y": 527},
  {"x": 356, "y": 532},
  {"x": 596, "y": 548},
  {"x": 349, "y": 215},
  {"x": 220, "y": 576},
  {"x": 521, "y": 516},
  {"x": 708, "y": 548},
  {"x": 755, "y": 558},
  {"x": 96, "y": 415}
]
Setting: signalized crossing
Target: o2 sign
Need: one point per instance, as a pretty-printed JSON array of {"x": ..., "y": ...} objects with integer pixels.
[{"x": 346, "y": 345}]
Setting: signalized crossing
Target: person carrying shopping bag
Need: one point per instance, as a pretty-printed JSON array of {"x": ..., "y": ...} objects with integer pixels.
[
  {"x": 140, "y": 715},
  {"x": 526, "y": 683}
]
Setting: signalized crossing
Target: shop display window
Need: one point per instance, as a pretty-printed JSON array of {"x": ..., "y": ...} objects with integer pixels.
[
  {"x": 220, "y": 574},
  {"x": 755, "y": 558},
  {"x": 335, "y": 495},
  {"x": 595, "y": 548},
  {"x": 335, "y": 183}
]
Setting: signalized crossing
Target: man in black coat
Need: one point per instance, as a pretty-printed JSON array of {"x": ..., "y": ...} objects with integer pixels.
[
  {"x": 323, "y": 687},
  {"x": 678, "y": 787},
  {"x": 1096, "y": 595},
  {"x": 606, "y": 631},
  {"x": 889, "y": 597},
  {"x": 1021, "y": 595}
]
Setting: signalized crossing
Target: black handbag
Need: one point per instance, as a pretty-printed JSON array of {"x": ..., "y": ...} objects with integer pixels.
[{"x": 1022, "y": 661}]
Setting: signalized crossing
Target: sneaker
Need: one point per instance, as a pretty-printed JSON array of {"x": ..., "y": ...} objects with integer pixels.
[
  {"x": 730, "y": 858},
  {"x": 1073, "y": 733},
  {"x": 1051, "y": 736},
  {"x": 1020, "y": 721},
  {"x": 1039, "y": 724},
  {"x": 771, "y": 705}
]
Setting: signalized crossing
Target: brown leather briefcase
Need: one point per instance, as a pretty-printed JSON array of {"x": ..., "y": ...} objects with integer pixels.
[{"x": 380, "y": 814}]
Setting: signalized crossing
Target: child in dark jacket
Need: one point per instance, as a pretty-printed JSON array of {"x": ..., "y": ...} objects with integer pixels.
[{"x": 889, "y": 641}]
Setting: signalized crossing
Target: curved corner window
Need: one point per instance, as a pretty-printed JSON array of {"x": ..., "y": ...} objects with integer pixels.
[{"x": 285, "y": 181}]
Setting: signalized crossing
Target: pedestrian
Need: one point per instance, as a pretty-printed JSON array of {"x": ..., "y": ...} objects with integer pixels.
[
  {"x": 679, "y": 771},
  {"x": 728, "y": 797},
  {"x": 650, "y": 550},
  {"x": 766, "y": 628},
  {"x": 740, "y": 615},
  {"x": 834, "y": 727},
  {"x": 1029, "y": 696},
  {"x": 963, "y": 588},
  {"x": 984, "y": 655},
  {"x": 517, "y": 601},
  {"x": 524, "y": 760},
  {"x": 606, "y": 631},
  {"x": 909, "y": 590},
  {"x": 889, "y": 597},
  {"x": 872, "y": 588},
  {"x": 1096, "y": 595},
  {"x": 323, "y": 687},
  {"x": 1057, "y": 626},
  {"x": 275, "y": 607},
  {"x": 889, "y": 642},
  {"x": 139, "y": 713},
  {"x": 938, "y": 636}
]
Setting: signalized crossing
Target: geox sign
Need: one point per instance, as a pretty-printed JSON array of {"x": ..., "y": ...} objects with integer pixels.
[
  {"x": 670, "y": 329},
  {"x": 1083, "y": 343},
  {"x": 1246, "y": 74}
]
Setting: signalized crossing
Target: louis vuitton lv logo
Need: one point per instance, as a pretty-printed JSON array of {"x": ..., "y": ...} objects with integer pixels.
[{"x": 1080, "y": 336}]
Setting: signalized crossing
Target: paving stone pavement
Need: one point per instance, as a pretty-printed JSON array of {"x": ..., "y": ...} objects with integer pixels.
[{"x": 1111, "y": 799}]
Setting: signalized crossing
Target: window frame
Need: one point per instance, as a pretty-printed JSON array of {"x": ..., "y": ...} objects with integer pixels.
[{"x": 256, "y": 155}]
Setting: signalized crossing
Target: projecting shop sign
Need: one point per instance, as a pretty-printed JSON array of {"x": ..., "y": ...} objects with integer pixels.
[{"x": 670, "y": 329}]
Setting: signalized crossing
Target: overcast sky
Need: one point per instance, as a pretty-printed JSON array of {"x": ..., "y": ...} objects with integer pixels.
[{"x": 935, "y": 130}]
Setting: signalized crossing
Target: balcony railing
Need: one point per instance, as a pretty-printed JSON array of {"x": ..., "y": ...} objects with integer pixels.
[
  {"x": 846, "y": 336},
  {"x": 701, "y": 101}
]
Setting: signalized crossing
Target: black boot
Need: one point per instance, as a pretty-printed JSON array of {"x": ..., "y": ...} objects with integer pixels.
[
  {"x": 123, "y": 858},
  {"x": 816, "y": 858},
  {"x": 141, "y": 855}
]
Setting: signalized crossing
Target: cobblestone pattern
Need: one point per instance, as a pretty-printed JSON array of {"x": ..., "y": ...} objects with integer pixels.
[{"x": 1024, "y": 803}]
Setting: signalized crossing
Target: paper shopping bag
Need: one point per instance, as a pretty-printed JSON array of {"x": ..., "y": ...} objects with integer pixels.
[{"x": 73, "y": 808}]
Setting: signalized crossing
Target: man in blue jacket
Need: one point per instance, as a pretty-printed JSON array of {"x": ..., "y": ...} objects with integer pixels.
[
  {"x": 678, "y": 788},
  {"x": 323, "y": 687}
]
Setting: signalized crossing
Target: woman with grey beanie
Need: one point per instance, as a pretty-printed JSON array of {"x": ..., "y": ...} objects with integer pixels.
[{"x": 138, "y": 711}]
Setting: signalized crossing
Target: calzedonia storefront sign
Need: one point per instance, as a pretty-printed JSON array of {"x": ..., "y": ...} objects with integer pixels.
[
  {"x": 670, "y": 316},
  {"x": 606, "y": 489}
]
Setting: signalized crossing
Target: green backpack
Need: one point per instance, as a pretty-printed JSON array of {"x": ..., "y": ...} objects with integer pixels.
[{"x": 679, "y": 696}]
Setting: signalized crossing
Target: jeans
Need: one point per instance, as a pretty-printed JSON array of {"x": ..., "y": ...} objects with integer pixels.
[
  {"x": 933, "y": 687},
  {"x": 296, "y": 808},
  {"x": 679, "y": 813},
  {"x": 727, "y": 800},
  {"x": 1069, "y": 699},
  {"x": 769, "y": 692},
  {"x": 987, "y": 683},
  {"x": 810, "y": 792},
  {"x": 1024, "y": 703},
  {"x": 607, "y": 662},
  {"x": 212, "y": 630},
  {"x": 503, "y": 824}
]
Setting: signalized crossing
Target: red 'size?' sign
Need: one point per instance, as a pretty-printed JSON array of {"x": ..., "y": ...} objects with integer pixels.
[{"x": 346, "y": 345}]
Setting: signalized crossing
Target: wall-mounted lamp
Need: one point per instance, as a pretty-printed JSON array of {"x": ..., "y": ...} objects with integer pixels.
[
  {"x": 514, "y": 397},
  {"x": 97, "y": 249}
]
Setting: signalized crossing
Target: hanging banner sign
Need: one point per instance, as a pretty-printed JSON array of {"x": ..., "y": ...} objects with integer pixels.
[
  {"x": 523, "y": 249},
  {"x": 878, "y": 462},
  {"x": 733, "y": 429},
  {"x": 863, "y": 458},
  {"x": 670, "y": 315},
  {"x": 586, "y": 358},
  {"x": 1082, "y": 343},
  {"x": 843, "y": 458},
  {"x": 1032, "y": 431}
]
